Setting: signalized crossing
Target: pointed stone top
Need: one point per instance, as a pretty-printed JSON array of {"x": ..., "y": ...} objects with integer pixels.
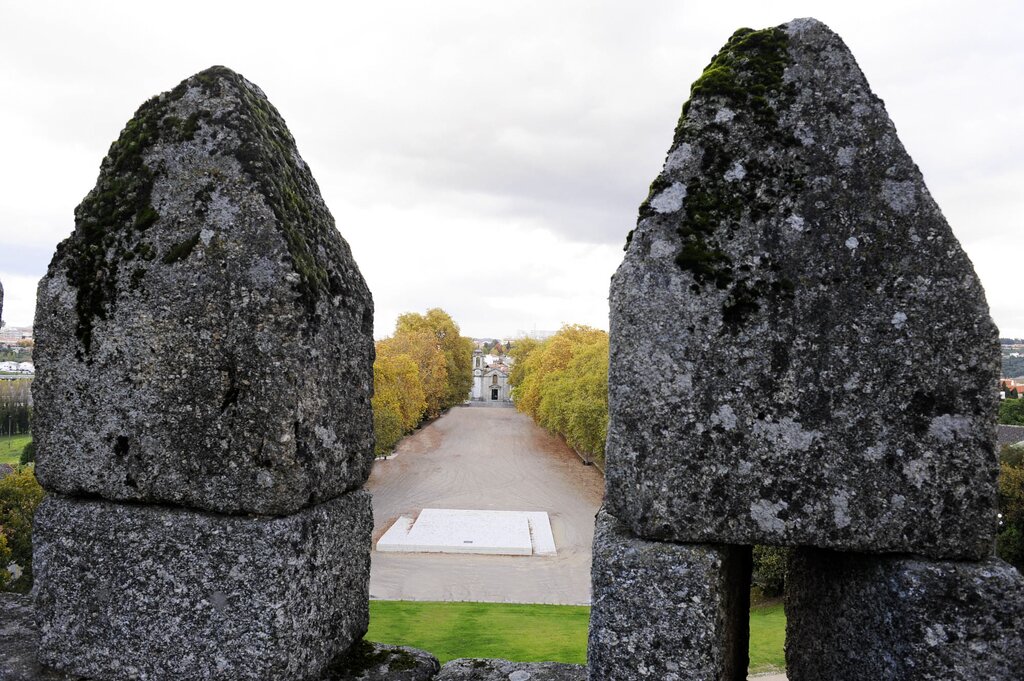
[
  {"x": 803, "y": 24},
  {"x": 828, "y": 358},
  {"x": 215, "y": 113},
  {"x": 205, "y": 309}
]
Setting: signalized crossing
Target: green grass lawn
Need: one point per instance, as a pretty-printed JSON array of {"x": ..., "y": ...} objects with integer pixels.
[
  {"x": 11, "y": 446},
  {"x": 529, "y": 633},
  {"x": 767, "y": 636}
]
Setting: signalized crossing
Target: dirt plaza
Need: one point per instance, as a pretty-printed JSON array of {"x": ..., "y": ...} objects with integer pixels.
[{"x": 486, "y": 458}]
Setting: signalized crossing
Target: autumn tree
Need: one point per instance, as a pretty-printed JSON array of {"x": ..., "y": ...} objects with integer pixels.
[
  {"x": 398, "y": 399},
  {"x": 20, "y": 494},
  {"x": 457, "y": 350},
  {"x": 521, "y": 349},
  {"x": 562, "y": 383},
  {"x": 421, "y": 348},
  {"x": 420, "y": 371}
]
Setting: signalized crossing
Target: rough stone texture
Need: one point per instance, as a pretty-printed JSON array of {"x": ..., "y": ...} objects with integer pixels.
[
  {"x": 801, "y": 353},
  {"x": 858, "y": 617},
  {"x": 664, "y": 611},
  {"x": 204, "y": 337},
  {"x": 148, "y": 592},
  {"x": 19, "y": 645},
  {"x": 19, "y": 642},
  {"x": 473, "y": 669},
  {"x": 368, "y": 661}
]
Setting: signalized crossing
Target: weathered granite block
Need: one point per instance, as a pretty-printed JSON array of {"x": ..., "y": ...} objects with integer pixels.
[
  {"x": 664, "y": 611},
  {"x": 367, "y": 661},
  {"x": 478, "y": 669},
  {"x": 801, "y": 352},
  {"x": 364, "y": 661},
  {"x": 857, "y": 617},
  {"x": 148, "y": 592},
  {"x": 19, "y": 642},
  {"x": 204, "y": 337}
]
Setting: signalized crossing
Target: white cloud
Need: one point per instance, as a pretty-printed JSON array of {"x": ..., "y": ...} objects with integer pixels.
[
  {"x": 536, "y": 124},
  {"x": 19, "y": 299}
]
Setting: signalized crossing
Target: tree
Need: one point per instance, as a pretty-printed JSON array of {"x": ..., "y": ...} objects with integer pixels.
[
  {"x": 28, "y": 453},
  {"x": 20, "y": 494},
  {"x": 15, "y": 406},
  {"x": 1011, "y": 412},
  {"x": 1010, "y": 539},
  {"x": 457, "y": 350},
  {"x": 421, "y": 347},
  {"x": 521, "y": 349},
  {"x": 423, "y": 369},
  {"x": 770, "y": 568},
  {"x": 403, "y": 379},
  {"x": 563, "y": 384}
]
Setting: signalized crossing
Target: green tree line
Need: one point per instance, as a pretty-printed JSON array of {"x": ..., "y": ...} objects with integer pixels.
[
  {"x": 15, "y": 406},
  {"x": 562, "y": 382},
  {"x": 425, "y": 367},
  {"x": 1011, "y": 412},
  {"x": 1010, "y": 538},
  {"x": 20, "y": 494}
]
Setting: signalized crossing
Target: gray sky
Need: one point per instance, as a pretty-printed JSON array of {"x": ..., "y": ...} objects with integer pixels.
[{"x": 489, "y": 158}]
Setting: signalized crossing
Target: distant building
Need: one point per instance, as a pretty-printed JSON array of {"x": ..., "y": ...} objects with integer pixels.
[
  {"x": 17, "y": 367},
  {"x": 13, "y": 334},
  {"x": 1010, "y": 388},
  {"x": 490, "y": 383}
]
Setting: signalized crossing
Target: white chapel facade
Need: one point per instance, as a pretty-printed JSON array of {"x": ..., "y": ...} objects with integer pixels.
[{"x": 490, "y": 383}]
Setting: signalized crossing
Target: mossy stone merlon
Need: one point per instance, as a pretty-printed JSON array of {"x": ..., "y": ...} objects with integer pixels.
[
  {"x": 204, "y": 337},
  {"x": 823, "y": 355}
]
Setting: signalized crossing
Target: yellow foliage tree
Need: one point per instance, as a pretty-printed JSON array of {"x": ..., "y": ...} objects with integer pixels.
[
  {"x": 421, "y": 347},
  {"x": 563, "y": 384},
  {"x": 457, "y": 350},
  {"x": 398, "y": 399},
  {"x": 422, "y": 370},
  {"x": 20, "y": 494},
  {"x": 521, "y": 349}
]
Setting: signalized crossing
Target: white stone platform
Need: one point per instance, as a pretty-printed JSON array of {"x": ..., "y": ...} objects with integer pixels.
[{"x": 444, "y": 530}]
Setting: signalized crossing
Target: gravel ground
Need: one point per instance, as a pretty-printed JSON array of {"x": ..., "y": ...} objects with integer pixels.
[{"x": 486, "y": 458}]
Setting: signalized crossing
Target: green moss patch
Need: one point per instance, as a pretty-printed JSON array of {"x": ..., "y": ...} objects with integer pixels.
[
  {"x": 181, "y": 251},
  {"x": 111, "y": 221},
  {"x": 363, "y": 656},
  {"x": 746, "y": 76},
  {"x": 746, "y": 72},
  {"x": 266, "y": 155}
]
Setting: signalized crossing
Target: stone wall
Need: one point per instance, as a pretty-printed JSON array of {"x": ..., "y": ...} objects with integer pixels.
[
  {"x": 204, "y": 371},
  {"x": 829, "y": 371},
  {"x": 204, "y": 360}
]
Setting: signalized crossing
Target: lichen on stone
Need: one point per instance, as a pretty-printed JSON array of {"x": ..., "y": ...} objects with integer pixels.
[
  {"x": 806, "y": 265},
  {"x": 205, "y": 230}
]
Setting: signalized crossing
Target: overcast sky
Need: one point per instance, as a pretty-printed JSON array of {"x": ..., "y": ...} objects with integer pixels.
[{"x": 488, "y": 158}]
